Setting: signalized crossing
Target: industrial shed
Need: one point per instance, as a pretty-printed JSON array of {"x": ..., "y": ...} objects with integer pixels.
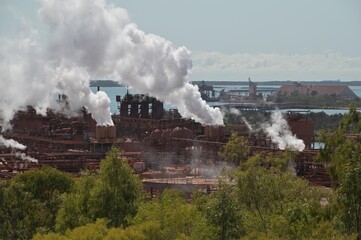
[{"x": 340, "y": 91}]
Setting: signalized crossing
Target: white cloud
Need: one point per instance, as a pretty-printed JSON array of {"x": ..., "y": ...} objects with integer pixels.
[{"x": 273, "y": 66}]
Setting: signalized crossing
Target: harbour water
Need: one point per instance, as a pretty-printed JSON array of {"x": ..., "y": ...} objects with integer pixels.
[{"x": 114, "y": 91}]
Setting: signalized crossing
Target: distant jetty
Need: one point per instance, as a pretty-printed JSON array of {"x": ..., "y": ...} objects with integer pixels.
[{"x": 105, "y": 83}]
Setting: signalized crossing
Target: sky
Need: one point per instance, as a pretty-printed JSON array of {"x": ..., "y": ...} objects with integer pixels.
[{"x": 237, "y": 39}]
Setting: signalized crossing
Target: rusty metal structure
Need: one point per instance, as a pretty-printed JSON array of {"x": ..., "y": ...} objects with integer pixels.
[{"x": 163, "y": 148}]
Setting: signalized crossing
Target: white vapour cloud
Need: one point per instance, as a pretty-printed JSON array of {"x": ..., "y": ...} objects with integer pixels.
[
  {"x": 29, "y": 77},
  {"x": 249, "y": 126},
  {"x": 25, "y": 157},
  {"x": 91, "y": 38},
  {"x": 11, "y": 143},
  {"x": 22, "y": 77},
  {"x": 273, "y": 66},
  {"x": 237, "y": 112},
  {"x": 102, "y": 41},
  {"x": 74, "y": 81},
  {"x": 278, "y": 130}
]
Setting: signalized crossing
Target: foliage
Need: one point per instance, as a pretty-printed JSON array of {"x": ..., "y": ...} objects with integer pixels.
[
  {"x": 90, "y": 231},
  {"x": 176, "y": 218},
  {"x": 31, "y": 201},
  {"x": 144, "y": 231},
  {"x": 76, "y": 208},
  {"x": 222, "y": 212},
  {"x": 100, "y": 231},
  {"x": 235, "y": 150},
  {"x": 349, "y": 194},
  {"x": 113, "y": 194},
  {"x": 117, "y": 191},
  {"x": 44, "y": 184},
  {"x": 275, "y": 201},
  {"x": 263, "y": 199},
  {"x": 342, "y": 152}
]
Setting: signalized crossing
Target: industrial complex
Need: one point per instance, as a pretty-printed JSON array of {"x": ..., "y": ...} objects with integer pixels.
[{"x": 166, "y": 150}]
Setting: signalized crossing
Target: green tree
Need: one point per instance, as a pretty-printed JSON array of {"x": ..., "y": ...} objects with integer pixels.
[
  {"x": 75, "y": 210},
  {"x": 100, "y": 231},
  {"x": 222, "y": 212},
  {"x": 31, "y": 201},
  {"x": 90, "y": 231},
  {"x": 21, "y": 215},
  {"x": 113, "y": 194},
  {"x": 349, "y": 194},
  {"x": 235, "y": 150},
  {"x": 176, "y": 218},
  {"x": 117, "y": 191},
  {"x": 342, "y": 152},
  {"x": 276, "y": 202},
  {"x": 144, "y": 231}
]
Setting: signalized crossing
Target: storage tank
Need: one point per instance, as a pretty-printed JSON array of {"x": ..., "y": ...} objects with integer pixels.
[
  {"x": 220, "y": 133},
  {"x": 101, "y": 132},
  {"x": 111, "y": 132},
  {"x": 206, "y": 132}
]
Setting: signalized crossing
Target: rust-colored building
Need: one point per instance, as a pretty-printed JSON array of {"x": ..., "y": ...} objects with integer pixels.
[
  {"x": 302, "y": 127},
  {"x": 340, "y": 91}
]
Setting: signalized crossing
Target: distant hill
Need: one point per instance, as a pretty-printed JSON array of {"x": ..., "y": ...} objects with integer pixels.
[{"x": 104, "y": 83}]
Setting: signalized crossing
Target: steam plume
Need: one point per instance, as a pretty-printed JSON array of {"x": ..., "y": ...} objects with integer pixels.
[
  {"x": 249, "y": 126},
  {"x": 236, "y": 112},
  {"x": 30, "y": 77},
  {"x": 25, "y": 157},
  {"x": 280, "y": 133},
  {"x": 10, "y": 143},
  {"x": 92, "y": 39},
  {"x": 101, "y": 40},
  {"x": 277, "y": 129}
]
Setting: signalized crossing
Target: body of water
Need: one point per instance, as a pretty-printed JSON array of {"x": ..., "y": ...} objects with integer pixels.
[{"x": 114, "y": 91}]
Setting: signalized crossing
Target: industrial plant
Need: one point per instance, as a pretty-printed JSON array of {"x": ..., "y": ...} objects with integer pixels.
[{"x": 164, "y": 149}]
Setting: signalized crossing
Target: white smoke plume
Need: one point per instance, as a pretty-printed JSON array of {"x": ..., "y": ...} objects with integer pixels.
[
  {"x": 29, "y": 77},
  {"x": 101, "y": 40},
  {"x": 11, "y": 143},
  {"x": 278, "y": 130},
  {"x": 74, "y": 81},
  {"x": 25, "y": 157},
  {"x": 92, "y": 39},
  {"x": 249, "y": 126},
  {"x": 237, "y": 112}
]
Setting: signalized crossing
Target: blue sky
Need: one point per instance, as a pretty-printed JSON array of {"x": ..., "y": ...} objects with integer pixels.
[{"x": 236, "y": 39}]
